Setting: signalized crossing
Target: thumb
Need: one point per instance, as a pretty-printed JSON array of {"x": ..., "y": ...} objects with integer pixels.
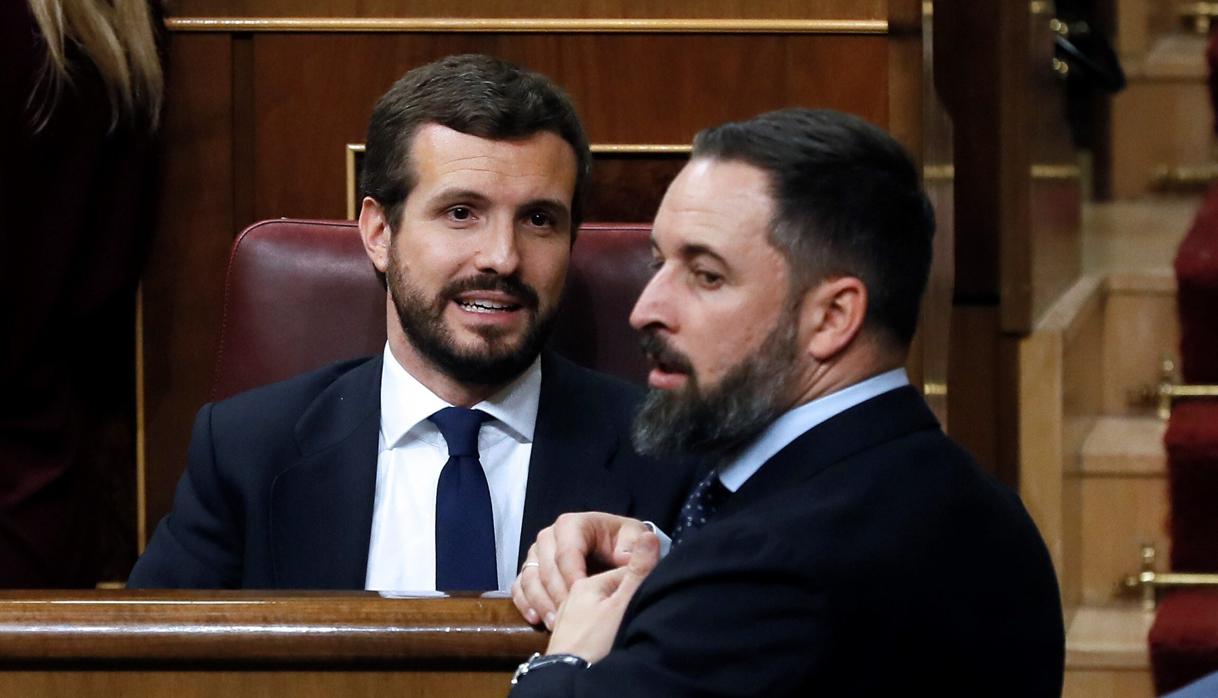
[{"x": 644, "y": 556}]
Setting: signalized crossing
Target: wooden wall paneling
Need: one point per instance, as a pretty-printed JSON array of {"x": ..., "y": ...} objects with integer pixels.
[
  {"x": 1013, "y": 166},
  {"x": 1042, "y": 239},
  {"x": 630, "y": 187},
  {"x": 674, "y": 9},
  {"x": 184, "y": 278},
  {"x": 938, "y": 179},
  {"x": 316, "y": 91}
]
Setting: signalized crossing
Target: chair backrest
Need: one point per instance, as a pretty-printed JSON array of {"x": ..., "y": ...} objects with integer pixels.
[{"x": 301, "y": 294}]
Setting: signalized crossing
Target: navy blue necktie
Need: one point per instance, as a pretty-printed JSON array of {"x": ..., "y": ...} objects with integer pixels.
[
  {"x": 465, "y": 526},
  {"x": 703, "y": 502}
]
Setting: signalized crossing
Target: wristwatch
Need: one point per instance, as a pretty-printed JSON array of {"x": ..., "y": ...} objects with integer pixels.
[{"x": 539, "y": 660}]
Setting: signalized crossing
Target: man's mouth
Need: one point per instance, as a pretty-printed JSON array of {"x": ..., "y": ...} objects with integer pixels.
[
  {"x": 491, "y": 295},
  {"x": 486, "y": 306},
  {"x": 669, "y": 367}
]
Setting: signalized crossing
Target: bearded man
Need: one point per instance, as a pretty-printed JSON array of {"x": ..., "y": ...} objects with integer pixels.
[
  {"x": 432, "y": 466},
  {"x": 841, "y": 545}
]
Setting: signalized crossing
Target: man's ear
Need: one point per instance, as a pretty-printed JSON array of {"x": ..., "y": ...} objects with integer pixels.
[
  {"x": 374, "y": 231},
  {"x": 831, "y": 316}
]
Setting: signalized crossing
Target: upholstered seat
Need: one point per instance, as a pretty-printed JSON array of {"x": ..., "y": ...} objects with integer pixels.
[{"x": 301, "y": 294}]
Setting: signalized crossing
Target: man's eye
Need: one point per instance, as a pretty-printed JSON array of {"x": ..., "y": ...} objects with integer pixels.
[
  {"x": 655, "y": 264},
  {"x": 460, "y": 213},
  {"x": 541, "y": 219},
  {"x": 709, "y": 279}
]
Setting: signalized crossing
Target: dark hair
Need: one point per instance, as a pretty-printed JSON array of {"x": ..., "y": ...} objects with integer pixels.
[
  {"x": 848, "y": 202},
  {"x": 474, "y": 94}
]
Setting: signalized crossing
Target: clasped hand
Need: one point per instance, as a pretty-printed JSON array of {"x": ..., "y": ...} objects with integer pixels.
[{"x": 554, "y": 586}]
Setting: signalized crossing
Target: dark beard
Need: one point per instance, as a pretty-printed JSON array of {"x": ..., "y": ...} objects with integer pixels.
[
  {"x": 747, "y": 400},
  {"x": 496, "y": 363}
]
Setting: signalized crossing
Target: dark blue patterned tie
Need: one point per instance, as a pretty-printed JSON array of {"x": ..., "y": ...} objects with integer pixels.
[
  {"x": 465, "y": 526},
  {"x": 702, "y": 503}
]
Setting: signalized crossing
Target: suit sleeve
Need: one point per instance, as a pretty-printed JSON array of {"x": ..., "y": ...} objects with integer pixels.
[
  {"x": 198, "y": 545},
  {"x": 733, "y": 621}
]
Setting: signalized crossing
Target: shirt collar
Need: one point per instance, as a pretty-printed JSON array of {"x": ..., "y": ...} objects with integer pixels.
[
  {"x": 406, "y": 403},
  {"x": 798, "y": 420}
]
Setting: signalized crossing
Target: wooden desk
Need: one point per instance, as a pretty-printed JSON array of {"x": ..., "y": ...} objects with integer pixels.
[{"x": 232, "y": 643}]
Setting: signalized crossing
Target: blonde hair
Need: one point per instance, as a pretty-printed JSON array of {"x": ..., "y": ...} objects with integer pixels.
[{"x": 117, "y": 37}]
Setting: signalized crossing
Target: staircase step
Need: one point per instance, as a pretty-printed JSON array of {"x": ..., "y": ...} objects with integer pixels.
[
  {"x": 1109, "y": 637},
  {"x": 1131, "y": 446}
]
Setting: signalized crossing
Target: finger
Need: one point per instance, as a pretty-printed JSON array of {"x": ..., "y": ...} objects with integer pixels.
[
  {"x": 644, "y": 557},
  {"x": 535, "y": 596},
  {"x": 626, "y": 537},
  {"x": 522, "y": 602},
  {"x": 575, "y": 538},
  {"x": 548, "y": 572}
]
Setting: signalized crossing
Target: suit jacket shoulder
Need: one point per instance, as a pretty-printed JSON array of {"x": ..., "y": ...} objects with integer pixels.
[
  {"x": 219, "y": 532},
  {"x": 869, "y": 557}
]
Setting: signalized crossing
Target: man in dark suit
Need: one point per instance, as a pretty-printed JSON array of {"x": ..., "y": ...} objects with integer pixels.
[
  {"x": 427, "y": 467},
  {"x": 842, "y": 545}
]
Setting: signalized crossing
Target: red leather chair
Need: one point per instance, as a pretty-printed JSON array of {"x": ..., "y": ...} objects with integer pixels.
[{"x": 301, "y": 294}]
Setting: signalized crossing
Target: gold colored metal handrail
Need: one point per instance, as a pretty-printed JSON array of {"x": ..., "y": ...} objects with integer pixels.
[
  {"x": 1200, "y": 14},
  {"x": 1148, "y": 582},
  {"x": 1169, "y": 390}
]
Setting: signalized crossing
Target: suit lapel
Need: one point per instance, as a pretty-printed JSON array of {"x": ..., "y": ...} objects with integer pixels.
[
  {"x": 572, "y": 444},
  {"x": 870, "y": 423},
  {"x": 321, "y": 506}
]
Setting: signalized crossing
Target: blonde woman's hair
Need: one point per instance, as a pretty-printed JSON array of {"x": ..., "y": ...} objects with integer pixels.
[{"x": 117, "y": 37}]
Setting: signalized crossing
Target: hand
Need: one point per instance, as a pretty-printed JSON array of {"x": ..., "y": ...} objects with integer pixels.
[
  {"x": 561, "y": 557},
  {"x": 588, "y": 620}
]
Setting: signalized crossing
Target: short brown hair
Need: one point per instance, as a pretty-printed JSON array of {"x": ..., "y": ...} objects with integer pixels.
[{"x": 475, "y": 94}]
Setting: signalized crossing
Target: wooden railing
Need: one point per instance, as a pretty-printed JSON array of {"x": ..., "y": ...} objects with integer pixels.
[{"x": 186, "y": 644}]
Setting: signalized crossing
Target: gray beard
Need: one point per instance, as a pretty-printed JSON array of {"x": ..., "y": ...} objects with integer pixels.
[{"x": 748, "y": 399}]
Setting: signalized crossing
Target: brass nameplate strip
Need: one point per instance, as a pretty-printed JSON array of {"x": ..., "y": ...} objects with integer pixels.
[{"x": 528, "y": 25}]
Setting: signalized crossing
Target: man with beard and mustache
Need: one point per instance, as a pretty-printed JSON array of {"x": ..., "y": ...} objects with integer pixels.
[
  {"x": 426, "y": 468},
  {"x": 841, "y": 544}
]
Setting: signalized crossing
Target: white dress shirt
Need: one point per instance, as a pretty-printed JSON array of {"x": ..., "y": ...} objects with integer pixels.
[
  {"x": 412, "y": 452},
  {"x": 792, "y": 424}
]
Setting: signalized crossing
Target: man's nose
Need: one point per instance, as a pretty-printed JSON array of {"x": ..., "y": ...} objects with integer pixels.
[
  {"x": 653, "y": 307},
  {"x": 499, "y": 253}
]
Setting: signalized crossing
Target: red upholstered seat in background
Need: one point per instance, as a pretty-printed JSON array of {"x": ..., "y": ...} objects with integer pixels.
[
  {"x": 1183, "y": 643},
  {"x": 301, "y": 294}
]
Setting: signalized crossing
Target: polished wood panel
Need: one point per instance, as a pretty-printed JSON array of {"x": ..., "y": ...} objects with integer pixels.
[
  {"x": 612, "y": 78},
  {"x": 259, "y": 628},
  {"x": 1120, "y": 514},
  {"x": 224, "y": 643},
  {"x": 184, "y": 281},
  {"x": 744, "y": 9},
  {"x": 274, "y": 683},
  {"x": 451, "y": 25},
  {"x": 1140, "y": 327}
]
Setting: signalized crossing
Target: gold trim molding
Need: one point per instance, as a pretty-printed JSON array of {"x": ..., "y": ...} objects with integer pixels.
[
  {"x": 527, "y": 25},
  {"x": 352, "y": 185},
  {"x": 639, "y": 149}
]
